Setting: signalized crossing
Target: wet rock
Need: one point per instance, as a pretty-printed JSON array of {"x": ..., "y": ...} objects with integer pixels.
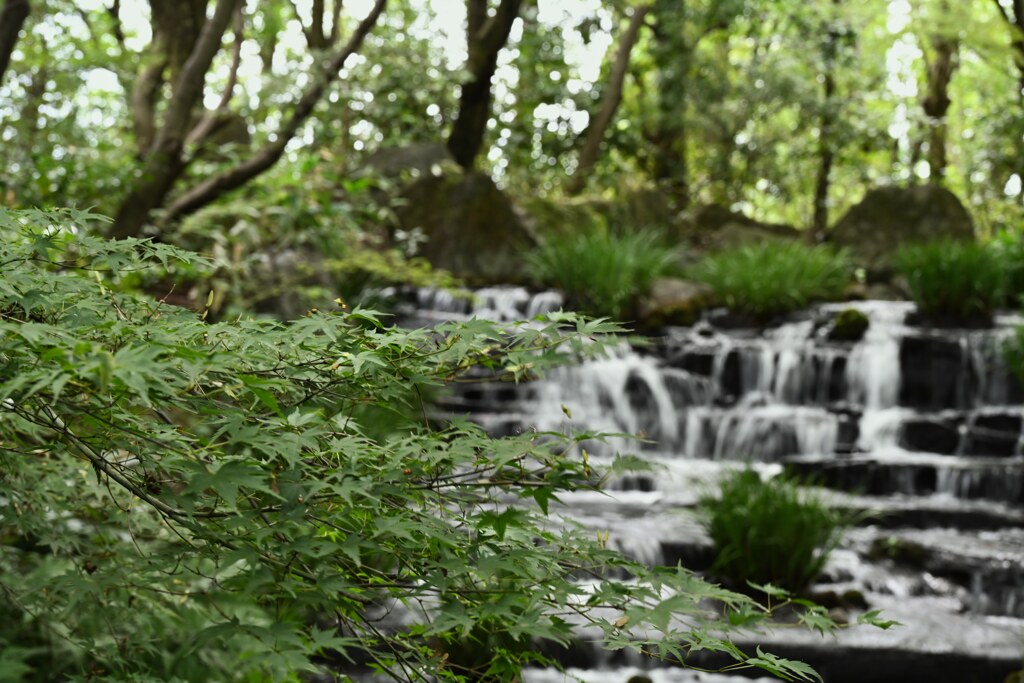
[
  {"x": 645, "y": 406},
  {"x": 932, "y": 435},
  {"x": 673, "y": 301},
  {"x": 934, "y": 372},
  {"x": 889, "y": 217},
  {"x": 849, "y": 432},
  {"x": 994, "y": 434},
  {"x": 639, "y": 678}
]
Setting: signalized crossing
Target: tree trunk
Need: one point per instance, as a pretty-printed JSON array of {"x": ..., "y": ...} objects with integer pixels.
[
  {"x": 672, "y": 60},
  {"x": 216, "y": 186},
  {"x": 609, "y": 104},
  {"x": 936, "y": 102},
  {"x": 12, "y": 18},
  {"x": 486, "y": 36},
  {"x": 826, "y": 153},
  {"x": 164, "y": 162}
]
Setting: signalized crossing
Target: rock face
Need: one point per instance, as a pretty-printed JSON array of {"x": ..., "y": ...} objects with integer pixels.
[
  {"x": 470, "y": 226},
  {"x": 889, "y": 217},
  {"x": 715, "y": 227},
  {"x": 672, "y": 301}
]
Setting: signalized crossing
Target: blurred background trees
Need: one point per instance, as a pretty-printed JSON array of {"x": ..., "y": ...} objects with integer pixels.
[{"x": 788, "y": 111}]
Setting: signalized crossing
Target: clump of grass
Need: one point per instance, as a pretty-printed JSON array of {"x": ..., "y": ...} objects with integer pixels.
[
  {"x": 602, "y": 273},
  {"x": 770, "y": 532},
  {"x": 1008, "y": 248},
  {"x": 953, "y": 281},
  {"x": 775, "y": 277}
]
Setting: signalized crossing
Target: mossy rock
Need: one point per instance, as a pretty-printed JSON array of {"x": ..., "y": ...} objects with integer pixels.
[
  {"x": 713, "y": 227},
  {"x": 889, "y": 217},
  {"x": 899, "y": 550},
  {"x": 636, "y": 209},
  {"x": 674, "y": 302},
  {"x": 849, "y": 326}
]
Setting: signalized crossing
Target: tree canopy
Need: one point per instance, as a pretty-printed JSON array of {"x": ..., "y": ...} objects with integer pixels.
[{"x": 786, "y": 110}]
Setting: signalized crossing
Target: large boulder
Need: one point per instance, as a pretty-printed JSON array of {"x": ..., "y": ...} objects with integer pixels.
[
  {"x": 631, "y": 209},
  {"x": 468, "y": 226},
  {"x": 888, "y": 217},
  {"x": 714, "y": 227},
  {"x": 672, "y": 301}
]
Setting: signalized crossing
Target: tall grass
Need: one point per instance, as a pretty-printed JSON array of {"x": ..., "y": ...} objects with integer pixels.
[
  {"x": 1008, "y": 247},
  {"x": 770, "y": 531},
  {"x": 602, "y": 273},
  {"x": 953, "y": 281},
  {"x": 775, "y": 277}
]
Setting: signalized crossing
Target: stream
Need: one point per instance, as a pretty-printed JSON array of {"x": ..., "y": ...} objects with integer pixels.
[{"x": 922, "y": 427}]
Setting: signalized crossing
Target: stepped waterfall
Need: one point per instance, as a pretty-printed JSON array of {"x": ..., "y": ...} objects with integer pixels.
[{"x": 923, "y": 427}]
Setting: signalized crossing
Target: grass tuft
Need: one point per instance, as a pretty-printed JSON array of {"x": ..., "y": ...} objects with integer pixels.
[
  {"x": 775, "y": 277},
  {"x": 770, "y": 532},
  {"x": 953, "y": 281},
  {"x": 602, "y": 273}
]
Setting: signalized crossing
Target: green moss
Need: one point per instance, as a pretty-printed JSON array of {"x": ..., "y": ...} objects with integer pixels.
[{"x": 849, "y": 326}]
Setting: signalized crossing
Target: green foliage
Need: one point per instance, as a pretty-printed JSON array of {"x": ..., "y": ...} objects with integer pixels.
[
  {"x": 770, "y": 531},
  {"x": 776, "y": 277},
  {"x": 1008, "y": 249},
  {"x": 602, "y": 273},
  {"x": 295, "y": 245},
  {"x": 952, "y": 281},
  {"x": 195, "y": 501}
]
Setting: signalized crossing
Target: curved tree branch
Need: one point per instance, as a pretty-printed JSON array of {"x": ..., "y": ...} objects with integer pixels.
[
  {"x": 209, "y": 120},
  {"x": 216, "y": 186},
  {"x": 164, "y": 163},
  {"x": 609, "y": 104}
]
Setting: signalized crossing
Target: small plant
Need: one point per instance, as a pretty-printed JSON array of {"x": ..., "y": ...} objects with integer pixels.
[
  {"x": 776, "y": 277},
  {"x": 602, "y": 273},
  {"x": 1008, "y": 247},
  {"x": 770, "y": 532},
  {"x": 953, "y": 281}
]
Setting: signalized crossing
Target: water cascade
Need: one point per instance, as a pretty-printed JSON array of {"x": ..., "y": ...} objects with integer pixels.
[{"x": 924, "y": 426}]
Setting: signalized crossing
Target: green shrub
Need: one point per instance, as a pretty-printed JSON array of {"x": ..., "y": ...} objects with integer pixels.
[
  {"x": 193, "y": 501},
  {"x": 1008, "y": 248},
  {"x": 770, "y": 532},
  {"x": 602, "y": 273},
  {"x": 775, "y": 277},
  {"x": 952, "y": 281}
]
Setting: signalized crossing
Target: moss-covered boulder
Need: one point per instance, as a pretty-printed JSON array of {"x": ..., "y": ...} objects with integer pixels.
[
  {"x": 674, "y": 302},
  {"x": 715, "y": 228},
  {"x": 849, "y": 326},
  {"x": 468, "y": 225},
  {"x": 631, "y": 210},
  {"x": 889, "y": 217}
]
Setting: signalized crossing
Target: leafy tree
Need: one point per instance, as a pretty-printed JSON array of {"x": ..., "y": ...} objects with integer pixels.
[{"x": 249, "y": 500}]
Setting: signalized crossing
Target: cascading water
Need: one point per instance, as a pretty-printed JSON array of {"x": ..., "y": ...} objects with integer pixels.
[{"x": 925, "y": 424}]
